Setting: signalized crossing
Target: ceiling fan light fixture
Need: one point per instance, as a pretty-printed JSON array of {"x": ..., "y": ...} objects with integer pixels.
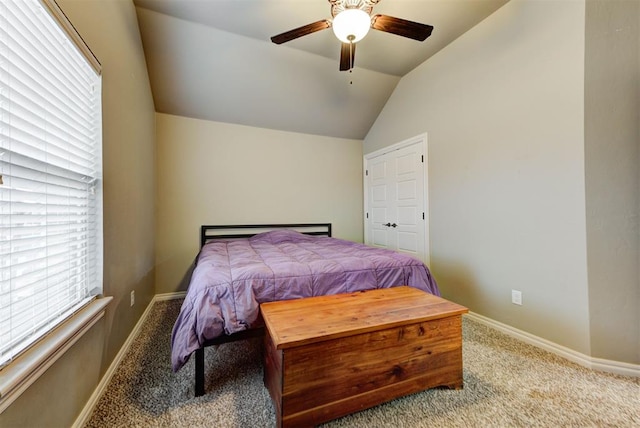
[{"x": 351, "y": 25}]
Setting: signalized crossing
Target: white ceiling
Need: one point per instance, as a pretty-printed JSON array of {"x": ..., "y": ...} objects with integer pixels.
[{"x": 213, "y": 60}]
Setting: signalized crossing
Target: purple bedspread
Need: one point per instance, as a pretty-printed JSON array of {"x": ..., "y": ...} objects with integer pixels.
[{"x": 232, "y": 278}]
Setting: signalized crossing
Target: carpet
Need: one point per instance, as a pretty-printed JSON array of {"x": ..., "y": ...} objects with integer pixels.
[{"x": 507, "y": 383}]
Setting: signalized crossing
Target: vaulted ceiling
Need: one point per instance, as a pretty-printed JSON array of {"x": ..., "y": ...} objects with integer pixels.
[{"x": 214, "y": 60}]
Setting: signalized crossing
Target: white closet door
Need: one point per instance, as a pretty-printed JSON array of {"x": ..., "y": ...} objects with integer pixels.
[
  {"x": 381, "y": 176},
  {"x": 395, "y": 198},
  {"x": 408, "y": 235}
]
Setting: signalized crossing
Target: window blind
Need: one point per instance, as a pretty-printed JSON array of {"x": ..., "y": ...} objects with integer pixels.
[{"x": 50, "y": 176}]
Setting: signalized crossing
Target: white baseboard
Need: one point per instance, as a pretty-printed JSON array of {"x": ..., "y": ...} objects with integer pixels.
[
  {"x": 609, "y": 366},
  {"x": 84, "y": 416},
  {"x": 169, "y": 296}
]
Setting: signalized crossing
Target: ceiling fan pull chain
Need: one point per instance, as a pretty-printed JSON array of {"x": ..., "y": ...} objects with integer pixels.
[
  {"x": 351, "y": 56},
  {"x": 351, "y": 62}
]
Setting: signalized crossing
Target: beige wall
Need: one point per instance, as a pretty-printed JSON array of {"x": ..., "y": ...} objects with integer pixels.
[
  {"x": 110, "y": 29},
  {"x": 533, "y": 165},
  {"x": 220, "y": 173},
  {"x": 612, "y": 151},
  {"x": 503, "y": 107}
]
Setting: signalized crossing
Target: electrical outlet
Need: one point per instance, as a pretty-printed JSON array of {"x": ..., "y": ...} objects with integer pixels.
[
  {"x": 133, "y": 297},
  {"x": 516, "y": 297}
]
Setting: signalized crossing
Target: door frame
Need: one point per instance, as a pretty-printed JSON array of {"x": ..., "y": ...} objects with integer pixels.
[{"x": 418, "y": 139}]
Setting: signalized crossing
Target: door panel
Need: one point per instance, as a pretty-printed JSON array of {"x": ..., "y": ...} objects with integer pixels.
[
  {"x": 405, "y": 163},
  {"x": 380, "y": 232},
  {"x": 408, "y": 243},
  {"x": 381, "y": 192},
  {"x": 408, "y": 216},
  {"x": 406, "y": 190},
  {"x": 378, "y": 170},
  {"x": 379, "y": 215},
  {"x": 380, "y": 238}
]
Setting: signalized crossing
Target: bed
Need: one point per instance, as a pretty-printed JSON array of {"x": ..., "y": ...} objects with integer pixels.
[{"x": 241, "y": 266}]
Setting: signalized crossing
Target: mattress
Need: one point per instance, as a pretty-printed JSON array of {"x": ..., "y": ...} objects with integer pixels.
[{"x": 232, "y": 277}]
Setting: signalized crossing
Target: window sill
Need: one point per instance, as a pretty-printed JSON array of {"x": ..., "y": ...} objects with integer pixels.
[{"x": 28, "y": 367}]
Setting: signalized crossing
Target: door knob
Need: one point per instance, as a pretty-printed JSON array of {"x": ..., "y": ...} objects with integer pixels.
[
  {"x": 393, "y": 225},
  {"x": 387, "y": 224}
]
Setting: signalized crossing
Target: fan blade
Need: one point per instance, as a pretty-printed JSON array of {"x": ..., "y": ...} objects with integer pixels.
[
  {"x": 401, "y": 27},
  {"x": 347, "y": 56},
  {"x": 301, "y": 31}
]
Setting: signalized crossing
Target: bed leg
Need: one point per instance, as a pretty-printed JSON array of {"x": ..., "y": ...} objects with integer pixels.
[{"x": 199, "y": 372}]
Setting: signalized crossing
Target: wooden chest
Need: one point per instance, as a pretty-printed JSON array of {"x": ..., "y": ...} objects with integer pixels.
[{"x": 326, "y": 357}]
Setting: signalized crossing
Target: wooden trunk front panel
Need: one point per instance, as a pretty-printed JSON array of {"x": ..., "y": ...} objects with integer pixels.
[{"x": 317, "y": 382}]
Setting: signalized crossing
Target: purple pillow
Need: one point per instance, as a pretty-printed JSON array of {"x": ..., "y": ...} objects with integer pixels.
[{"x": 281, "y": 235}]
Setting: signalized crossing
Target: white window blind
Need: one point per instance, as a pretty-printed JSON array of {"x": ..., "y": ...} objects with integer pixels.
[{"x": 50, "y": 176}]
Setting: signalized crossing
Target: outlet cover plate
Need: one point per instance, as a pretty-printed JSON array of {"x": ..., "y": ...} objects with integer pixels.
[{"x": 516, "y": 297}]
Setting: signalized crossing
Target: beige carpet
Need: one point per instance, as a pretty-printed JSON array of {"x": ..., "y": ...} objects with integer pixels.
[{"x": 507, "y": 384}]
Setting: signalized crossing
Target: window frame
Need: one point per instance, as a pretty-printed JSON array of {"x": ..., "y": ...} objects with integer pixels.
[{"x": 34, "y": 360}]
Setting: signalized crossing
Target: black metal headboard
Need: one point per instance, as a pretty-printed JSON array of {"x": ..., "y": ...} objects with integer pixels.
[{"x": 212, "y": 232}]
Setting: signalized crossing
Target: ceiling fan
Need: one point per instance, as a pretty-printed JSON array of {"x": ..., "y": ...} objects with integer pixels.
[{"x": 351, "y": 21}]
